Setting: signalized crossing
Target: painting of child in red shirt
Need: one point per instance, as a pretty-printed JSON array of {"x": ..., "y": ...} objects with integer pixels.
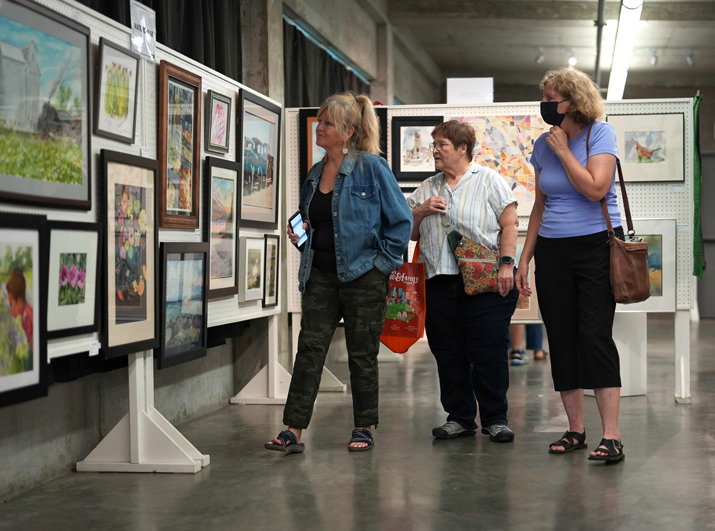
[{"x": 18, "y": 305}]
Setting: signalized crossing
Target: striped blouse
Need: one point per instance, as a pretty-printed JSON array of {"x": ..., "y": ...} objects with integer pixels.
[{"x": 473, "y": 208}]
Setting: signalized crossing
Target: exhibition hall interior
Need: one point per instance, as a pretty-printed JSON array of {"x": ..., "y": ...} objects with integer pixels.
[{"x": 357, "y": 264}]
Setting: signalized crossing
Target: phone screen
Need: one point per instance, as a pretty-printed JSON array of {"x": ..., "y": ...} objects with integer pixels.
[{"x": 296, "y": 225}]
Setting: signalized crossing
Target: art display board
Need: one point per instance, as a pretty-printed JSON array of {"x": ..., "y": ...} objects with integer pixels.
[{"x": 221, "y": 311}]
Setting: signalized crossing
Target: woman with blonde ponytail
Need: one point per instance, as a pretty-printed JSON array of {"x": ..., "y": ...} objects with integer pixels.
[{"x": 358, "y": 226}]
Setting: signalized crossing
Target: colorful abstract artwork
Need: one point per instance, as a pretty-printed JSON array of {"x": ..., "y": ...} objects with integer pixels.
[
  {"x": 505, "y": 144},
  {"x": 655, "y": 263}
]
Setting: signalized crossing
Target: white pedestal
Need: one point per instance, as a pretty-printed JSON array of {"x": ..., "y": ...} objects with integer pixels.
[{"x": 143, "y": 441}]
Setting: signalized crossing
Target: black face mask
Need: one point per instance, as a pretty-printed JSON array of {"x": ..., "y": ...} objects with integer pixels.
[{"x": 550, "y": 114}]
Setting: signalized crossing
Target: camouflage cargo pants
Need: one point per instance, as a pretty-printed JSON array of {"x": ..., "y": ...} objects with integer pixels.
[{"x": 361, "y": 304}]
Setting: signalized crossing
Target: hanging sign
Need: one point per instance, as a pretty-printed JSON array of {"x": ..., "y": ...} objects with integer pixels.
[{"x": 143, "y": 30}]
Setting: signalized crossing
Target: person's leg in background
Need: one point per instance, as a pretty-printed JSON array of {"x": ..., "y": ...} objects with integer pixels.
[
  {"x": 535, "y": 340},
  {"x": 517, "y": 355}
]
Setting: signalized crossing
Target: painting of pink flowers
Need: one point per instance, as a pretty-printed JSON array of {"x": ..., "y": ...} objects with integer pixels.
[{"x": 73, "y": 267}]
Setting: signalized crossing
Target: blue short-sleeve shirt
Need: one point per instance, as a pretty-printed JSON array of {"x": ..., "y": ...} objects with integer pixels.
[{"x": 568, "y": 212}]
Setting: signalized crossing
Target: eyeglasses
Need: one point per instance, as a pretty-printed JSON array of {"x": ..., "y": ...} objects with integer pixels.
[{"x": 439, "y": 146}]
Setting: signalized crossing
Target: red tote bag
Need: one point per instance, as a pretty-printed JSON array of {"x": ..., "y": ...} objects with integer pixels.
[{"x": 405, "y": 314}]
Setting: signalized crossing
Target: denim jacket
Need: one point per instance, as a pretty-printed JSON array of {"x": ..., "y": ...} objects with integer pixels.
[{"x": 371, "y": 219}]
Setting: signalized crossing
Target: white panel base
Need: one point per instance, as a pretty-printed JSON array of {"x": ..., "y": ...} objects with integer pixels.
[
  {"x": 256, "y": 391},
  {"x": 682, "y": 356},
  {"x": 330, "y": 383},
  {"x": 631, "y": 338}
]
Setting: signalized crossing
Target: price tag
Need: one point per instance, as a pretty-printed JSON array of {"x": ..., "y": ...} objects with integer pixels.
[
  {"x": 94, "y": 347},
  {"x": 145, "y": 152},
  {"x": 683, "y": 228},
  {"x": 677, "y": 188}
]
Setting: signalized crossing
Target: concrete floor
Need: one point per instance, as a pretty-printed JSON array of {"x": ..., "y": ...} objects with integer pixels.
[{"x": 411, "y": 481}]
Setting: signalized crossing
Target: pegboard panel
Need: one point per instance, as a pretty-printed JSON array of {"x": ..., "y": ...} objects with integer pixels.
[
  {"x": 222, "y": 311},
  {"x": 292, "y": 152}
]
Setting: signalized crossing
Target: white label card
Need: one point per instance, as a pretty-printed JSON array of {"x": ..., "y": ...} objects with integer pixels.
[{"x": 94, "y": 348}]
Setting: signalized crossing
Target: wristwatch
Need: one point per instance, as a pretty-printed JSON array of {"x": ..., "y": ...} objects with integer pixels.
[{"x": 508, "y": 260}]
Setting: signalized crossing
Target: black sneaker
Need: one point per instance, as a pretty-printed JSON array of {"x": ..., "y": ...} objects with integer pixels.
[
  {"x": 519, "y": 357},
  {"x": 499, "y": 433},
  {"x": 452, "y": 430}
]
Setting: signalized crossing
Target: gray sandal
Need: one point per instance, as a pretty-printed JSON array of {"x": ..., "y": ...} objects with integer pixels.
[
  {"x": 288, "y": 443},
  {"x": 361, "y": 435}
]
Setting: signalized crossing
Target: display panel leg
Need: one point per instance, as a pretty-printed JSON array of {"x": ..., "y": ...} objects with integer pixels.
[
  {"x": 271, "y": 384},
  {"x": 144, "y": 441},
  {"x": 682, "y": 356}
]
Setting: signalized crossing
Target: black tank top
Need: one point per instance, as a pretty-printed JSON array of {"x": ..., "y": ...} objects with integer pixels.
[{"x": 321, "y": 221}]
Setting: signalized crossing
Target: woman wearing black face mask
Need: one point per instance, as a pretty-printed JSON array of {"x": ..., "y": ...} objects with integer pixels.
[{"x": 575, "y": 168}]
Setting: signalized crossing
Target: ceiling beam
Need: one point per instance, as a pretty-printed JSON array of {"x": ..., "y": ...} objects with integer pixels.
[{"x": 427, "y": 12}]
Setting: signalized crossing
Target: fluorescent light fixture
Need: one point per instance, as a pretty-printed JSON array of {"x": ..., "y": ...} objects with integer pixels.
[
  {"x": 625, "y": 38},
  {"x": 573, "y": 60}
]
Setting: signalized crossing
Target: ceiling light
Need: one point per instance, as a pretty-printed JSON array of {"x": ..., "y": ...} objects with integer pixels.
[
  {"x": 539, "y": 57},
  {"x": 689, "y": 56},
  {"x": 625, "y": 37},
  {"x": 653, "y": 57},
  {"x": 572, "y": 58}
]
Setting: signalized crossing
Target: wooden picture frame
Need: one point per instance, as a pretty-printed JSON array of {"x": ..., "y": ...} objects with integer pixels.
[
  {"x": 271, "y": 275},
  {"x": 218, "y": 122},
  {"x": 416, "y": 167},
  {"x": 23, "y": 352},
  {"x": 258, "y": 143},
  {"x": 179, "y": 147},
  {"x": 129, "y": 193},
  {"x": 73, "y": 309},
  {"x": 184, "y": 268},
  {"x": 222, "y": 177},
  {"x": 54, "y": 167},
  {"x": 117, "y": 89}
]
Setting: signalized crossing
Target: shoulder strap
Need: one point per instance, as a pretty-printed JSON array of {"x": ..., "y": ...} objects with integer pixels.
[
  {"x": 445, "y": 220},
  {"x": 624, "y": 195}
]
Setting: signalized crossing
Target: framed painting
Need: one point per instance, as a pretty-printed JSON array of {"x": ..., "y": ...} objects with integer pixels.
[
  {"x": 271, "y": 272},
  {"x": 23, "y": 314},
  {"x": 117, "y": 81},
  {"x": 527, "y": 308},
  {"x": 179, "y": 147},
  {"x": 222, "y": 213},
  {"x": 259, "y": 140},
  {"x": 218, "y": 122},
  {"x": 45, "y": 108},
  {"x": 73, "y": 278},
  {"x": 651, "y": 146},
  {"x": 129, "y": 200},
  {"x": 661, "y": 236},
  {"x": 184, "y": 304},
  {"x": 505, "y": 144},
  {"x": 412, "y": 160},
  {"x": 251, "y": 260}
]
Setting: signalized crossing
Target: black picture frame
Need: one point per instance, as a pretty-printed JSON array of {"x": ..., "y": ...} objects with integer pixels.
[
  {"x": 381, "y": 113},
  {"x": 69, "y": 226},
  {"x": 104, "y": 45},
  {"x": 47, "y": 119},
  {"x": 25, "y": 222},
  {"x": 266, "y": 270},
  {"x": 250, "y": 218},
  {"x": 398, "y": 122},
  {"x": 209, "y": 146},
  {"x": 164, "y": 357},
  {"x": 146, "y": 343},
  {"x": 211, "y": 164}
]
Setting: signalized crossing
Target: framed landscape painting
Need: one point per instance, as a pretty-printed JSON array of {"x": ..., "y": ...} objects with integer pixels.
[
  {"x": 218, "y": 122},
  {"x": 129, "y": 199},
  {"x": 259, "y": 141},
  {"x": 184, "y": 303},
  {"x": 222, "y": 213},
  {"x": 272, "y": 270},
  {"x": 73, "y": 278},
  {"x": 179, "y": 146},
  {"x": 651, "y": 146},
  {"x": 251, "y": 260},
  {"x": 45, "y": 108},
  {"x": 23, "y": 314},
  {"x": 412, "y": 160},
  {"x": 115, "y": 114}
]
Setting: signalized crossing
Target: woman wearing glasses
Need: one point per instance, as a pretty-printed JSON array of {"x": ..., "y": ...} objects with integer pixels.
[{"x": 468, "y": 335}]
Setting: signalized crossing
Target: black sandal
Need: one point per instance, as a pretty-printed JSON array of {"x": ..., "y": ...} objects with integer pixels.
[
  {"x": 614, "y": 449},
  {"x": 361, "y": 435},
  {"x": 288, "y": 443},
  {"x": 571, "y": 440}
]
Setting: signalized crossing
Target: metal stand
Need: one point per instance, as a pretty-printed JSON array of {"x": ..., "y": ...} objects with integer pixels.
[
  {"x": 144, "y": 441},
  {"x": 271, "y": 384}
]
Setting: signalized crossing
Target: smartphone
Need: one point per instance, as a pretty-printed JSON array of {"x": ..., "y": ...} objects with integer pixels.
[{"x": 296, "y": 225}]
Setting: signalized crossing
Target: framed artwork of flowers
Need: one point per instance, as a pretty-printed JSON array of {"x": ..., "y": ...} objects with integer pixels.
[
  {"x": 73, "y": 278},
  {"x": 179, "y": 147},
  {"x": 218, "y": 122},
  {"x": 129, "y": 202},
  {"x": 23, "y": 314}
]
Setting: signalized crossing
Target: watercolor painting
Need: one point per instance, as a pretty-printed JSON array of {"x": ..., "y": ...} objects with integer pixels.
[
  {"x": 222, "y": 228},
  {"x": 179, "y": 153},
  {"x": 416, "y": 155},
  {"x": 116, "y": 91},
  {"x": 184, "y": 312},
  {"x": 16, "y": 309},
  {"x": 253, "y": 269},
  {"x": 645, "y": 147},
  {"x": 258, "y": 161},
  {"x": 73, "y": 267},
  {"x": 655, "y": 263},
  {"x": 219, "y": 119}
]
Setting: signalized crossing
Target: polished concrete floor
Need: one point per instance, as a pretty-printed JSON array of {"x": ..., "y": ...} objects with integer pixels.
[{"x": 411, "y": 481}]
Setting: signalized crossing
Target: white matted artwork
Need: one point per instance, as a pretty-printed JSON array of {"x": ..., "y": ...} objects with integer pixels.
[
  {"x": 650, "y": 146},
  {"x": 416, "y": 155},
  {"x": 660, "y": 234},
  {"x": 252, "y": 263}
]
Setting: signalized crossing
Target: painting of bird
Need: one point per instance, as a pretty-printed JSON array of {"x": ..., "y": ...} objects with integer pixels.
[{"x": 645, "y": 153}]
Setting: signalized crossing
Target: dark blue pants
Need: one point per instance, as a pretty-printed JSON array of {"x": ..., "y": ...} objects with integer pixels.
[
  {"x": 534, "y": 337},
  {"x": 469, "y": 337}
]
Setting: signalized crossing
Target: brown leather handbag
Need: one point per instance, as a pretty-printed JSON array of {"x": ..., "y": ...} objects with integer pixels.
[{"x": 630, "y": 278}]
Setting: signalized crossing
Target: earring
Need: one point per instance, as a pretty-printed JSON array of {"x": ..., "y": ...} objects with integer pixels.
[{"x": 345, "y": 151}]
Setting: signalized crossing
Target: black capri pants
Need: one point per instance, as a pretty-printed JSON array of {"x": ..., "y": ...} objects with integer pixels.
[{"x": 576, "y": 300}]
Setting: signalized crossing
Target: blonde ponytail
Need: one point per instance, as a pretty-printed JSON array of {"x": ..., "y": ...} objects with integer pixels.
[{"x": 346, "y": 111}]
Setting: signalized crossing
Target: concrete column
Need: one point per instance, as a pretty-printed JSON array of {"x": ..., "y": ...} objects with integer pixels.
[
  {"x": 383, "y": 87},
  {"x": 262, "y": 46}
]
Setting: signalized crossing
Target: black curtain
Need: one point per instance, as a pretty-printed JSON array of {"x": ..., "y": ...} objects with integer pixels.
[
  {"x": 208, "y": 31},
  {"x": 311, "y": 75}
]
